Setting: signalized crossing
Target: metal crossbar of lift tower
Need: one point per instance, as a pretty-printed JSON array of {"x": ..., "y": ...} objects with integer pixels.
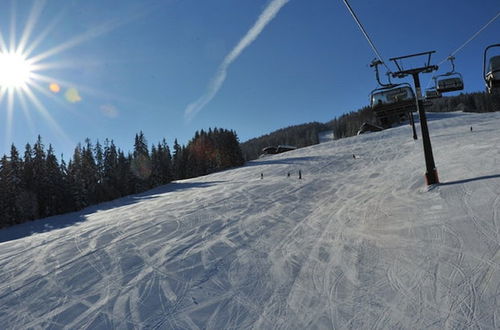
[{"x": 425, "y": 69}]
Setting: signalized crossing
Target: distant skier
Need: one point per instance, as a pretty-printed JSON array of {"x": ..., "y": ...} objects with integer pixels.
[
  {"x": 300, "y": 174},
  {"x": 354, "y": 156},
  {"x": 288, "y": 175},
  {"x": 471, "y": 128},
  {"x": 261, "y": 176}
]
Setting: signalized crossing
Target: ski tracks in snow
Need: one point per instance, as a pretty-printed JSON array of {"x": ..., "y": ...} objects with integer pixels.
[{"x": 356, "y": 243}]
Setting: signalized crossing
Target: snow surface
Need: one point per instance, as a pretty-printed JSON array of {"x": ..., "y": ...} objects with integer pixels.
[{"x": 357, "y": 243}]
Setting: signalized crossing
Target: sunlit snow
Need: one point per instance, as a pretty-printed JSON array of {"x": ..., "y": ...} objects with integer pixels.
[{"x": 358, "y": 242}]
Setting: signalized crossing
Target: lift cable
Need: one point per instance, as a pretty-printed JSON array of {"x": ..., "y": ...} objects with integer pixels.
[
  {"x": 471, "y": 38},
  {"x": 366, "y": 35},
  {"x": 452, "y": 54}
]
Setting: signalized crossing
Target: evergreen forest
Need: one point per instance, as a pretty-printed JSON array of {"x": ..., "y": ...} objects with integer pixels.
[{"x": 35, "y": 184}]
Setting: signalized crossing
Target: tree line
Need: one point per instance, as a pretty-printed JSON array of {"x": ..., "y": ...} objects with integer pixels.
[
  {"x": 36, "y": 184},
  {"x": 298, "y": 136},
  {"x": 348, "y": 124}
]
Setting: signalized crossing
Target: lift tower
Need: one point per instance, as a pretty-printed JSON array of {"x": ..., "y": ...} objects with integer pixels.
[{"x": 431, "y": 175}]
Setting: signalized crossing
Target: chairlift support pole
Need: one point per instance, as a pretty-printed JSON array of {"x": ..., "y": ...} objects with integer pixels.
[
  {"x": 412, "y": 123},
  {"x": 431, "y": 175}
]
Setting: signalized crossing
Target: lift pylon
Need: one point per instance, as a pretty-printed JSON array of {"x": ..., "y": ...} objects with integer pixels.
[{"x": 431, "y": 175}]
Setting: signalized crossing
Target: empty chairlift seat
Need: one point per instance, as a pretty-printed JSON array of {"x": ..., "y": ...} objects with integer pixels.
[
  {"x": 450, "y": 81},
  {"x": 455, "y": 83}
]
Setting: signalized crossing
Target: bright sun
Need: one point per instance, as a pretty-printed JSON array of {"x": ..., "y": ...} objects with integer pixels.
[
  {"x": 22, "y": 77},
  {"x": 15, "y": 70}
]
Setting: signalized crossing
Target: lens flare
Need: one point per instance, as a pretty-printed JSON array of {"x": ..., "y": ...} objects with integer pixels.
[
  {"x": 141, "y": 167},
  {"x": 54, "y": 88},
  {"x": 72, "y": 95}
]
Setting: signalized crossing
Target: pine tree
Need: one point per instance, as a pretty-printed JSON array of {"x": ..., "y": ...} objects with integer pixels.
[
  {"x": 76, "y": 179},
  {"x": 16, "y": 180},
  {"x": 67, "y": 199},
  {"x": 177, "y": 161},
  {"x": 110, "y": 171},
  {"x": 27, "y": 202},
  {"x": 28, "y": 168},
  {"x": 166, "y": 162},
  {"x": 155, "y": 177},
  {"x": 89, "y": 173},
  {"x": 140, "y": 145},
  {"x": 99, "y": 161},
  {"x": 141, "y": 163},
  {"x": 7, "y": 201},
  {"x": 40, "y": 178},
  {"x": 55, "y": 188},
  {"x": 125, "y": 178}
]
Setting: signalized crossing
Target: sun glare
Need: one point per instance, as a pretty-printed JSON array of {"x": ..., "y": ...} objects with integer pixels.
[
  {"x": 15, "y": 70},
  {"x": 22, "y": 68}
]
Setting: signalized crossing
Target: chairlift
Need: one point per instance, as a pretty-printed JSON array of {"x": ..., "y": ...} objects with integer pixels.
[
  {"x": 392, "y": 94},
  {"x": 450, "y": 81},
  {"x": 491, "y": 72},
  {"x": 432, "y": 93},
  {"x": 392, "y": 103}
]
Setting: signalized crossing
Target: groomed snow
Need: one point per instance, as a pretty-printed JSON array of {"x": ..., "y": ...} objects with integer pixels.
[{"x": 357, "y": 243}]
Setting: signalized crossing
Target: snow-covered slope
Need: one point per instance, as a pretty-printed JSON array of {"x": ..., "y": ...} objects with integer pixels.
[{"x": 356, "y": 243}]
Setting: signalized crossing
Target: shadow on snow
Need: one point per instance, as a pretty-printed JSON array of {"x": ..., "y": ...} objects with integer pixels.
[
  {"x": 69, "y": 219},
  {"x": 485, "y": 177}
]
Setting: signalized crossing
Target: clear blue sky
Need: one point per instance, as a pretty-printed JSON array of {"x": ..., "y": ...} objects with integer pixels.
[{"x": 138, "y": 65}]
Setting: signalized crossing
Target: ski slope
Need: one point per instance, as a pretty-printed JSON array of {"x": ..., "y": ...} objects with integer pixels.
[{"x": 357, "y": 243}]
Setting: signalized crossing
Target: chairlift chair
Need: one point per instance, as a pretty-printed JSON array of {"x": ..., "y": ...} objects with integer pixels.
[
  {"x": 450, "y": 81},
  {"x": 491, "y": 73},
  {"x": 392, "y": 103},
  {"x": 432, "y": 93},
  {"x": 390, "y": 95}
]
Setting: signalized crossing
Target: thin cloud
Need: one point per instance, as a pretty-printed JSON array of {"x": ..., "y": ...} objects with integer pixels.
[
  {"x": 109, "y": 110},
  {"x": 216, "y": 83}
]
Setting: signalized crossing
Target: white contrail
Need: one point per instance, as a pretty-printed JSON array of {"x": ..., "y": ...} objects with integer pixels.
[{"x": 215, "y": 84}]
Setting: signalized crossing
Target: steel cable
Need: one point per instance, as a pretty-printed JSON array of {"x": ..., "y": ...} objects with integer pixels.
[
  {"x": 466, "y": 42},
  {"x": 366, "y": 34},
  {"x": 471, "y": 38}
]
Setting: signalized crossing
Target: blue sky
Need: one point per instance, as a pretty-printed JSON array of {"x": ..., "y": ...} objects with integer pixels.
[{"x": 138, "y": 65}]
